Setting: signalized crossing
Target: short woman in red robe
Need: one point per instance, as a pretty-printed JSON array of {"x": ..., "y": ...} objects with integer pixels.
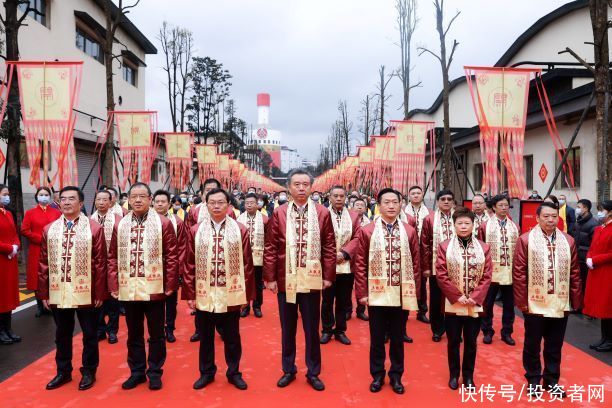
[
  {"x": 34, "y": 221},
  {"x": 597, "y": 300},
  {"x": 9, "y": 270}
]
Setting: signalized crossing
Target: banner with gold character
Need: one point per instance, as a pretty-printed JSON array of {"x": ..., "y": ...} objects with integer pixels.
[{"x": 179, "y": 151}]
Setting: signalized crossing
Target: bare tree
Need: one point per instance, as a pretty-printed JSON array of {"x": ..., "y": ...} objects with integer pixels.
[
  {"x": 382, "y": 95},
  {"x": 368, "y": 118},
  {"x": 177, "y": 46},
  {"x": 444, "y": 65},
  {"x": 115, "y": 15},
  {"x": 344, "y": 127},
  {"x": 407, "y": 21}
]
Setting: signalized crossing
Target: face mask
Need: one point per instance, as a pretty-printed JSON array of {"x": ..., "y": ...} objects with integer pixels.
[
  {"x": 44, "y": 200},
  {"x": 315, "y": 198},
  {"x": 184, "y": 200},
  {"x": 5, "y": 200},
  {"x": 260, "y": 204},
  {"x": 601, "y": 215},
  {"x": 578, "y": 211},
  {"x": 372, "y": 202},
  {"x": 561, "y": 202},
  {"x": 176, "y": 207}
]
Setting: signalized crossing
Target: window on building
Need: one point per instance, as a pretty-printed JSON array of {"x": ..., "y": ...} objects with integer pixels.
[
  {"x": 129, "y": 71},
  {"x": 528, "y": 164},
  {"x": 155, "y": 171},
  {"x": 573, "y": 162},
  {"x": 477, "y": 174},
  {"x": 89, "y": 45},
  {"x": 38, "y": 10}
]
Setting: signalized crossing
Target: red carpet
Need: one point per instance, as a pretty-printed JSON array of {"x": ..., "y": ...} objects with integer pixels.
[{"x": 345, "y": 373}]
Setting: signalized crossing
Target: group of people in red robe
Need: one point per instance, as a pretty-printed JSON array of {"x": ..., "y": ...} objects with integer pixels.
[{"x": 310, "y": 257}]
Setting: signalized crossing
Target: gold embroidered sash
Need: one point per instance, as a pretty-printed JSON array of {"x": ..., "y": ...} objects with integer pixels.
[
  {"x": 69, "y": 258},
  {"x": 134, "y": 283},
  {"x": 364, "y": 220},
  {"x": 203, "y": 214},
  {"x": 501, "y": 258},
  {"x": 418, "y": 216},
  {"x": 256, "y": 235},
  {"x": 465, "y": 267},
  {"x": 548, "y": 274},
  {"x": 229, "y": 288},
  {"x": 108, "y": 223},
  {"x": 478, "y": 221},
  {"x": 306, "y": 275},
  {"x": 172, "y": 219},
  {"x": 343, "y": 233},
  {"x": 440, "y": 234},
  {"x": 395, "y": 287},
  {"x": 117, "y": 209}
]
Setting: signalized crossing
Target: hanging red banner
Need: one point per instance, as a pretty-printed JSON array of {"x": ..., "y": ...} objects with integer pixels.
[
  {"x": 179, "y": 155},
  {"x": 410, "y": 148},
  {"x": 206, "y": 156}
]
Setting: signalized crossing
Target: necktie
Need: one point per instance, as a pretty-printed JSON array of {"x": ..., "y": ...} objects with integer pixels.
[
  {"x": 69, "y": 224},
  {"x": 390, "y": 228}
]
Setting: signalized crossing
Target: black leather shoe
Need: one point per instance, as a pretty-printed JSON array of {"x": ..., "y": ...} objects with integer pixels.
[
  {"x": 58, "y": 381},
  {"x": 469, "y": 382},
  {"x": 422, "y": 318},
  {"x": 377, "y": 384},
  {"x": 5, "y": 338},
  {"x": 325, "y": 338},
  {"x": 112, "y": 338},
  {"x": 133, "y": 382},
  {"x": 342, "y": 338},
  {"x": 386, "y": 338},
  {"x": 245, "y": 312},
  {"x": 487, "y": 339},
  {"x": 87, "y": 381},
  {"x": 192, "y": 313},
  {"x": 597, "y": 344},
  {"x": 155, "y": 384},
  {"x": 101, "y": 336},
  {"x": 436, "y": 338},
  {"x": 285, "y": 380},
  {"x": 257, "y": 313},
  {"x": 506, "y": 338},
  {"x": 194, "y": 337},
  {"x": 362, "y": 316},
  {"x": 407, "y": 339},
  {"x": 238, "y": 382},
  {"x": 170, "y": 337},
  {"x": 315, "y": 383},
  {"x": 605, "y": 347},
  {"x": 203, "y": 381},
  {"x": 349, "y": 316},
  {"x": 39, "y": 312},
  {"x": 397, "y": 386},
  {"x": 453, "y": 383}
]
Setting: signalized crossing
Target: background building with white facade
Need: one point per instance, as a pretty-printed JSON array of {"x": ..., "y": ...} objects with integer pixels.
[{"x": 263, "y": 136}]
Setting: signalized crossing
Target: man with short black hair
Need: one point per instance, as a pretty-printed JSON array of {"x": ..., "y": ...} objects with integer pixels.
[
  {"x": 115, "y": 207},
  {"x": 148, "y": 272},
  {"x": 583, "y": 231},
  {"x": 72, "y": 279},
  {"x": 546, "y": 282},
  {"x": 437, "y": 227},
  {"x": 479, "y": 208}
]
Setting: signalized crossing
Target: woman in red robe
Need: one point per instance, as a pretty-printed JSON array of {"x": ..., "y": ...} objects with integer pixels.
[
  {"x": 9, "y": 276},
  {"x": 597, "y": 300},
  {"x": 34, "y": 221}
]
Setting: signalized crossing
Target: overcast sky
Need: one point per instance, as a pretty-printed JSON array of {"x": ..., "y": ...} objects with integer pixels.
[{"x": 309, "y": 54}]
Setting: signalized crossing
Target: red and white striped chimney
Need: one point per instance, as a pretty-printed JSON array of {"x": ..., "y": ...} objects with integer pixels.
[{"x": 263, "y": 109}]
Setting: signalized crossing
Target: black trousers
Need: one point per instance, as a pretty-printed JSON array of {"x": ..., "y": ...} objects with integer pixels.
[
  {"x": 340, "y": 291},
  {"x": 349, "y": 307},
  {"x": 170, "y": 303},
  {"x": 386, "y": 320},
  {"x": 436, "y": 314},
  {"x": 552, "y": 330},
  {"x": 423, "y": 296},
  {"x": 64, "y": 330},
  {"x": 259, "y": 287},
  {"x": 309, "y": 305},
  {"x": 135, "y": 313},
  {"x": 110, "y": 308},
  {"x": 230, "y": 322},
  {"x": 507, "y": 298},
  {"x": 469, "y": 327}
]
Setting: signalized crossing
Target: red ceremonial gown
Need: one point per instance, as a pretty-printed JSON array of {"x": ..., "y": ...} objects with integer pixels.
[
  {"x": 34, "y": 220},
  {"x": 9, "y": 270},
  {"x": 598, "y": 293}
]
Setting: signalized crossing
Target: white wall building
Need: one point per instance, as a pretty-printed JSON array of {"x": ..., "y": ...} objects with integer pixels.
[
  {"x": 70, "y": 30},
  {"x": 290, "y": 159},
  {"x": 569, "y": 89}
]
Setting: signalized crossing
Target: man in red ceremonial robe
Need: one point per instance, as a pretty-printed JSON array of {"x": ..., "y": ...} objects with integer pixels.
[
  {"x": 300, "y": 261},
  {"x": 109, "y": 221},
  {"x": 161, "y": 203},
  {"x": 437, "y": 227},
  {"x": 546, "y": 282},
  {"x": 387, "y": 275},
  {"x": 34, "y": 220},
  {"x": 198, "y": 213},
  {"x": 346, "y": 226},
  {"x": 9, "y": 278},
  {"x": 115, "y": 207},
  {"x": 217, "y": 285},
  {"x": 73, "y": 280},
  {"x": 147, "y": 272}
]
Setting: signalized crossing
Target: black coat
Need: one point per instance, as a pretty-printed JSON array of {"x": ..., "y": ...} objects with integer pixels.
[{"x": 583, "y": 233}]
